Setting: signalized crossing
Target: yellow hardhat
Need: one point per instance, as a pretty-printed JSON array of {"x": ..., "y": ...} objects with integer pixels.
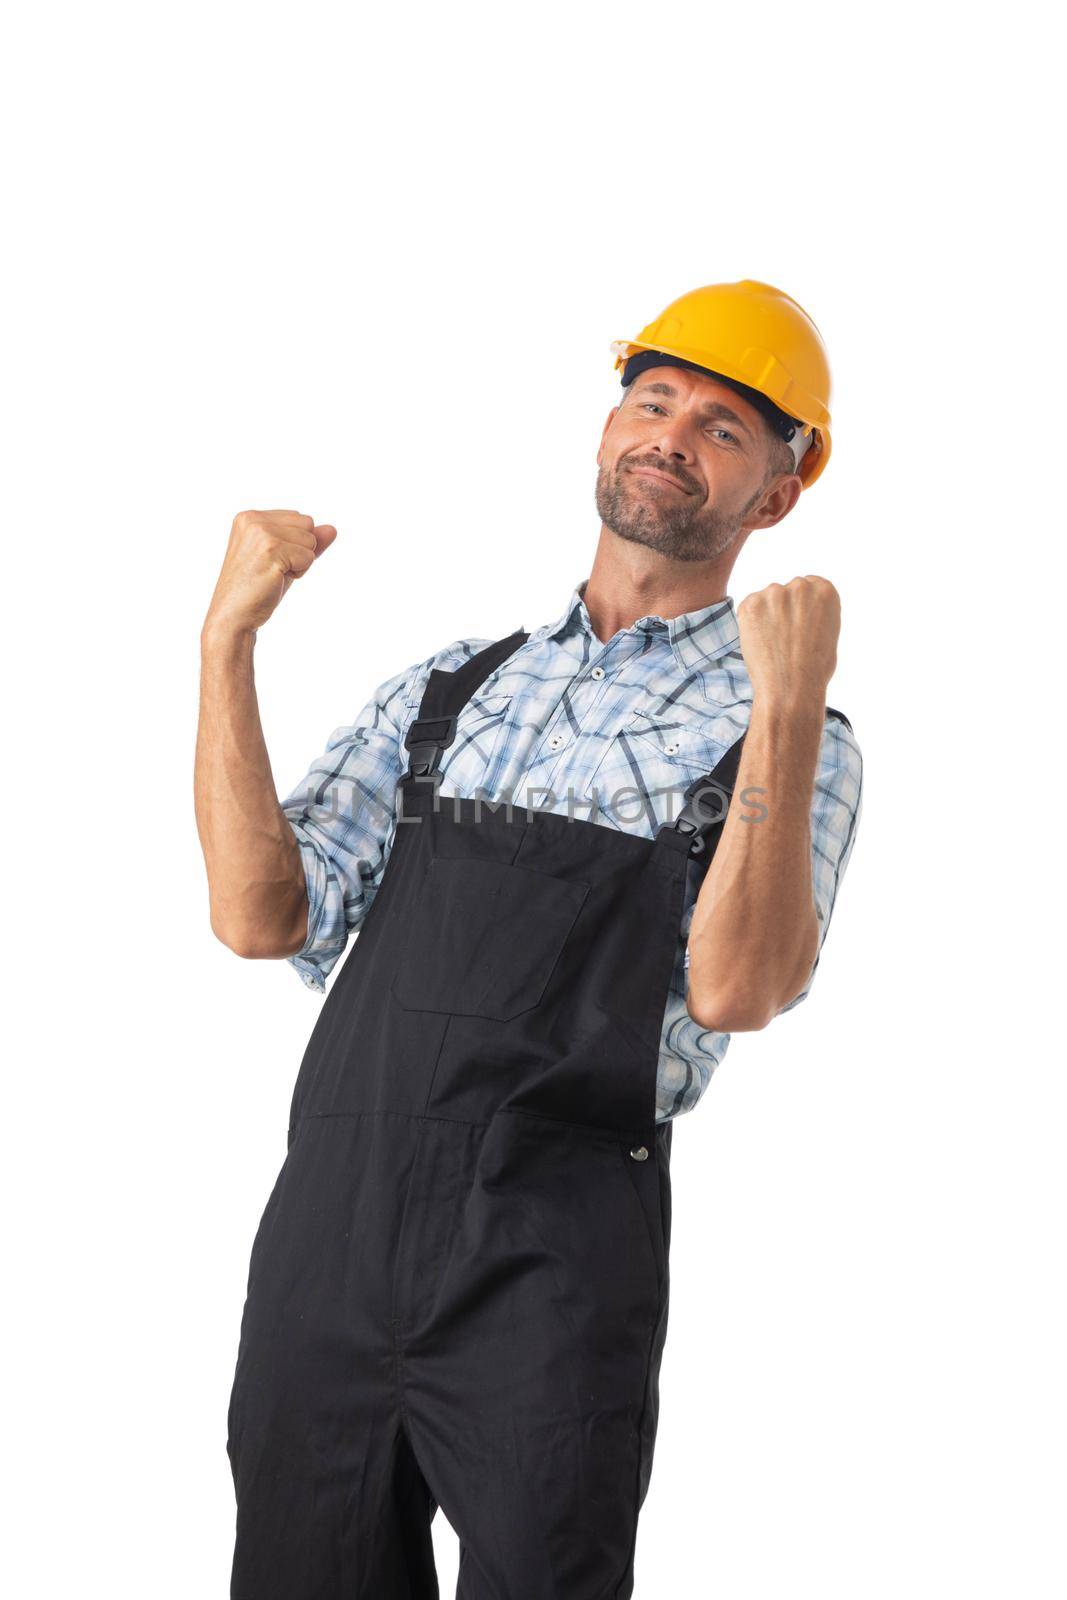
[{"x": 758, "y": 340}]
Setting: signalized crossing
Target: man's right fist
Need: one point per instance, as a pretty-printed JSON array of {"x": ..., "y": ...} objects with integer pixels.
[{"x": 267, "y": 550}]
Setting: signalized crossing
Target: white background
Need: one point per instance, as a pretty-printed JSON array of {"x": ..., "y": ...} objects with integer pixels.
[{"x": 369, "y": 266}]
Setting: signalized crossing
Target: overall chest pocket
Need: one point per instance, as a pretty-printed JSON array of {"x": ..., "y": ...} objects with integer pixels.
[{"x": 486, "y": 938}]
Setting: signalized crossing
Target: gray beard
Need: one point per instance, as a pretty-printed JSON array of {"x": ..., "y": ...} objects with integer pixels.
[{"x": 685, "y": 530}]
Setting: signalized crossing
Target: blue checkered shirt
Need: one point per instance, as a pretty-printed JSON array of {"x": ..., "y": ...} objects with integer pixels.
[{"x": 613, "y": 732}]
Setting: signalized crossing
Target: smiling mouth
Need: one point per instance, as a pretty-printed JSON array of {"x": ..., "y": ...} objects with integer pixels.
[{"x": 660, "y": 477}]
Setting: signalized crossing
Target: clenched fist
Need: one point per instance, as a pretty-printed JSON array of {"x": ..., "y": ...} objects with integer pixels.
[
  {"x": 267, "y": 550},
  {"x": 788, "y": 634}
]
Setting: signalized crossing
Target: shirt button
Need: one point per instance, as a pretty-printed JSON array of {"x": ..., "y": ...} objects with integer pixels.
[
  {"x": 557, "y": 741},
  {"x": 671, "y": 749},
  {"x": 640, "y": 1153},
  {"x": 597, "y": 672}
]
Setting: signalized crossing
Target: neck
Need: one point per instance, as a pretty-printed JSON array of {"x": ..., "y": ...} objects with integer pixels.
[{"x": 629, "y": 581}]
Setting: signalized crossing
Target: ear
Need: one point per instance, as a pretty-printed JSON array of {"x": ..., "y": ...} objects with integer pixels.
[
  {"x": 778, "y": 502},
  {"x": 612, "y": 414}
]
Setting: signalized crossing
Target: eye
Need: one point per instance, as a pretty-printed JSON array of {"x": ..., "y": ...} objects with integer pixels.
[
  {"x": 726, "y": 432},
  {"x": 650, "y": 405}
]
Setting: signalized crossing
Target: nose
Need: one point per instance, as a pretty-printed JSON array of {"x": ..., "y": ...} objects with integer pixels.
[{"x": 674, "y": 441}]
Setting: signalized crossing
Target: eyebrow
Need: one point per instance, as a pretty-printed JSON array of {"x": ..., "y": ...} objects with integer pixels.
[{"x": 713, "y": 408}]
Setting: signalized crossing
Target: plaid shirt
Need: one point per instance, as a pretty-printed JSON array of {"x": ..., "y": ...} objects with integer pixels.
[{"x": 612, "y": 732}]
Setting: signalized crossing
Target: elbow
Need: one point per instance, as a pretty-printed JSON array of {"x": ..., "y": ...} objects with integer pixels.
[
  {"x": 258, "y": 941},
  {"x": 253, "y": 946},
  {"x": 741, "y": 1010},
  {"x": 751, "y": 995},
  {"x": 729, "y": 1013}
]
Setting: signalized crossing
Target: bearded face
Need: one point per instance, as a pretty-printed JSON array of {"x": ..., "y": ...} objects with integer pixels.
[{"x": 652, "y": 501}]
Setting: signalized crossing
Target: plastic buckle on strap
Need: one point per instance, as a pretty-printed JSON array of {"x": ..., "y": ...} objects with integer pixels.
[
  {"x": 706, "y": 805},
  {"x": 426, "y": 739}
]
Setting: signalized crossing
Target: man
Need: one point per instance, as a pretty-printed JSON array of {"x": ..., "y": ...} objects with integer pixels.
[{"x": 578, "y": 860}]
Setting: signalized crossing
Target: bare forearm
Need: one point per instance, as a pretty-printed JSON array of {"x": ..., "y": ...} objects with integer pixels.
[
  {"x": 754, "y": 934},
  {"x": 255, "y": 877}
]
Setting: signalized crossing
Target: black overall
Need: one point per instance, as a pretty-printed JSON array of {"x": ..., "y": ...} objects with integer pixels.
[{"x": 458, "y": 1289}]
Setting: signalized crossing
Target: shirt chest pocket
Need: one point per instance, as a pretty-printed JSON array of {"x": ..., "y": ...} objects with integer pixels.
[
  {"x": 653, "y": 761},
  {"x": 487, "y": 939},
  {"x": 667, "y": 738}
]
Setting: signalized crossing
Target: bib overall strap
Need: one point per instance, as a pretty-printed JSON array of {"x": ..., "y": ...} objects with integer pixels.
[
  {"x": 695, "y": 830},
  {"x": 697, "y": 827},
  {"x": 444, "y": 697}
]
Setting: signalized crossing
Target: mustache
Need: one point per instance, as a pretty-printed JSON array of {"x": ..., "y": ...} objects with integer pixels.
[{"x": 657, "y": 466}]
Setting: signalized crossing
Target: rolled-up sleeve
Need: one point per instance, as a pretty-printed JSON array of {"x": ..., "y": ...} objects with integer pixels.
[{"x": 342, "y": 814}]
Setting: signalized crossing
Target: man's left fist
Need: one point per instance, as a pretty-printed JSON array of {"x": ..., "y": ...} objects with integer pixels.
[{"x": 789, "y": 635}]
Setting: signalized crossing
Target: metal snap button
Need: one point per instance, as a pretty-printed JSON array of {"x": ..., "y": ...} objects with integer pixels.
[{"x": 640, "y": 1154}]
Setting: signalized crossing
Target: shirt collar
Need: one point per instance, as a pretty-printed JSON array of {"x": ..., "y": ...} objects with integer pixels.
[{"x": 696, "y": 637}]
